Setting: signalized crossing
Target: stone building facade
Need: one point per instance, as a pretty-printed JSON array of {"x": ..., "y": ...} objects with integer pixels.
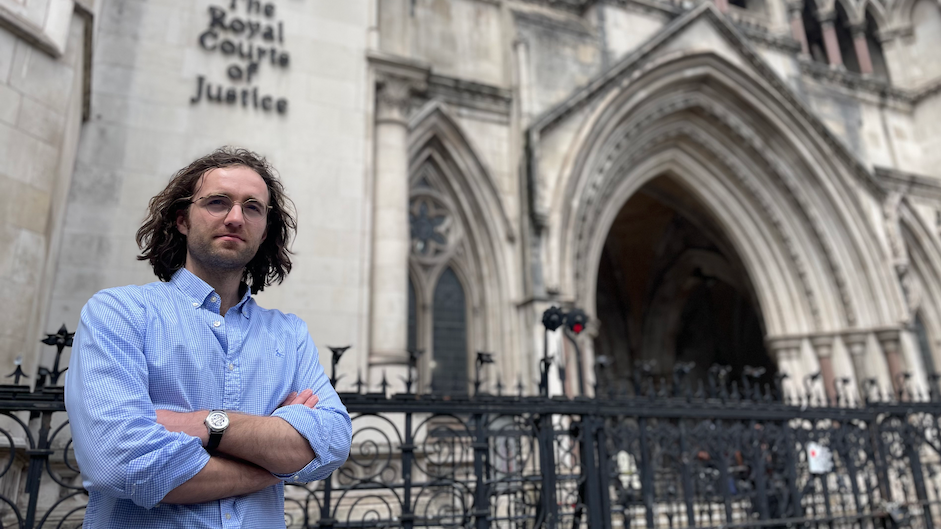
[{"x": 754, "y": 183}]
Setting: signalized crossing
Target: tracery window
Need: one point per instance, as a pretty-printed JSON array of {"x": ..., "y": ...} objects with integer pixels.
[{"x": 438, "y": 302}]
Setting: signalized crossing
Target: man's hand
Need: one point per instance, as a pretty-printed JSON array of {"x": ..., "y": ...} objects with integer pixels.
[{"x": 306, "y": 397}]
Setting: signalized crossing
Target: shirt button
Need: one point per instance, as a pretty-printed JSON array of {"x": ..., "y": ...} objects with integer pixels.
[
  {"x": 216, "y": 324},
  {"x": 195, "y": 304},
  {"x": 228, "y": 516},
  {"x": 213, "y": 299},
  {"x": 231, "y": 367}
]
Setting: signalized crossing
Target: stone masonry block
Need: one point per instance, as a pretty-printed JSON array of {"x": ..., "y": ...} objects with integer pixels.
[
  {"x": 41, "y": 122},
  {"x": 42, "y": 77},
  {"x": 27, "y": 207},
  {"x": 9, "y": 104}
]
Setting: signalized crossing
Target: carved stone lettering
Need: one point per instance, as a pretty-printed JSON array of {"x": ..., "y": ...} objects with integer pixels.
[{"x": 248, "y": 33}]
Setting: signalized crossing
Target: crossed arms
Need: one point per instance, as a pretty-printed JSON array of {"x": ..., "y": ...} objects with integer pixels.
[
  {"x": 259, "y": 447},
  {"x": 128, "y": 449}
]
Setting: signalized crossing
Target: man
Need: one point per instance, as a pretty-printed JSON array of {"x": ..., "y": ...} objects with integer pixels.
[{"x": 190, "y": 405}]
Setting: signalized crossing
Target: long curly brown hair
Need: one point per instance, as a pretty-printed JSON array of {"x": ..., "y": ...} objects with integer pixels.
[{"x": 165, "y": 247}]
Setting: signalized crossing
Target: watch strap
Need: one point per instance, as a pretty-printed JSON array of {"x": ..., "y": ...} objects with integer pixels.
[{"x": 214, "y": 439}]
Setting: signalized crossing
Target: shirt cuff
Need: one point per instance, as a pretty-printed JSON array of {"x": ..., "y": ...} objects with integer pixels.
[
  {"x": 309, "y": 423},
  {"x": 152, "y": 476}
]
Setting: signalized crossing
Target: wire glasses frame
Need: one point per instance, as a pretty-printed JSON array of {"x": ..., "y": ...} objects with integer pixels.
[{"x": 220, "y": 205}]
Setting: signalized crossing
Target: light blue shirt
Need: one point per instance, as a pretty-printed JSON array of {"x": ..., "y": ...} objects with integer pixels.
[{"x": 165, "y": 346}]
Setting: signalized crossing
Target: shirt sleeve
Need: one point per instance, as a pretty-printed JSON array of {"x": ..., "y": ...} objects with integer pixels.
[
  {"x": 327, "y": 427},
  {"x": 121, "y": 449}
]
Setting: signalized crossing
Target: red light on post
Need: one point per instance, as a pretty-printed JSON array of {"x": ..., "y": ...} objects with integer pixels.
[{"x": 576, "y": 320}]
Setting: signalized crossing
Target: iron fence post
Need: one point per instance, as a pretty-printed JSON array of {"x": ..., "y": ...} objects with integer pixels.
[
  {"x": 590, "y": 470},
  {"x": 38, "y": 456},
  {"x": 481, "y": 494},
  {"x": 917, "y": 475},
  {"x": 646, "y": 474},
  {"x": 604, "y": 474},
  {"x": 761, "y": 483},
  {"x": 794, "y": 509},
  {"x": 686, "y": 477},
  {"x": 408, "y": 454},
  {"x": 548, "y": 506}
]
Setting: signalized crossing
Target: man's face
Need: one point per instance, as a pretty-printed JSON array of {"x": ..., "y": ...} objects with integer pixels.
[{"x": 228, "y": 241}]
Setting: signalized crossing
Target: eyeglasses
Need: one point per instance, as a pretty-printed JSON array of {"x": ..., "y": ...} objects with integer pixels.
[{"x": 220, "y": 205}]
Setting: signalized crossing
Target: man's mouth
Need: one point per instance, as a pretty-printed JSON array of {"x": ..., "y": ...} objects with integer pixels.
[{"x": 229, "y": 237}]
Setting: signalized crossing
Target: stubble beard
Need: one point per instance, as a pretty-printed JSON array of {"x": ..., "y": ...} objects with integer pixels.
[{"x": 213, "y": 258}]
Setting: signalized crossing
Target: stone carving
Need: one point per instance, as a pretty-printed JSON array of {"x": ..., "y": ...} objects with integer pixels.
[
  {"x": 898, "y": 249},
  {"x": 395, "y": 98}
]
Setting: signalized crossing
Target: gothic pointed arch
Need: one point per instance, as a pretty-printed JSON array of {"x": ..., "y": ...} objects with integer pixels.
[
  {"x": 778, "y": 183},
  {"x": 460, "y": 231}
]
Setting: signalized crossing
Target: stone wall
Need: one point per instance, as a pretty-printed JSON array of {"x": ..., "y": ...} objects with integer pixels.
[
  {"x": 301, "y": 101},
  {"x": 41, "y": 105}
]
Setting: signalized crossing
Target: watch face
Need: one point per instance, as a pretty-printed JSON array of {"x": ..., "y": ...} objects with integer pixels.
[{"x": 217, "y": 421}]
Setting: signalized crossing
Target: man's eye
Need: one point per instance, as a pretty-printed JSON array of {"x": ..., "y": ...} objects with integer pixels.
[
  {"x": 254, "y": 207},
  {"x": 216, "y": 201}
]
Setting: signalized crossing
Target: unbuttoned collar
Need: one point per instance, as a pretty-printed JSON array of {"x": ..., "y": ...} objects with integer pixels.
[{"x": 201, "y": 293}]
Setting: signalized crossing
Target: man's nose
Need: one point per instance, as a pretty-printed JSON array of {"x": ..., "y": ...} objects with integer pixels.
[{"x": 235, "y": 216}]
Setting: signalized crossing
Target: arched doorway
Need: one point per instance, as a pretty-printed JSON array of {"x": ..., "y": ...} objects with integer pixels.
[{"x": 671, "y": 289}]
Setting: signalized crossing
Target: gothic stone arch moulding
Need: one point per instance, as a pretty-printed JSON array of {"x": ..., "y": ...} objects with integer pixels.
[
  {"x": 920, "y": 274},
  {"x": 445, "y": 170},
  {"x": 759, "y": 163}
]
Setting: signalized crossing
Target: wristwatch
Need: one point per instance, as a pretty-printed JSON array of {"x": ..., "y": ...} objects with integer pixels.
[{"x": 217, "y": 421}]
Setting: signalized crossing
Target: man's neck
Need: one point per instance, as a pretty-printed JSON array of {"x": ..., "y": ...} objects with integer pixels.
[{"x": 226, "y": 283}]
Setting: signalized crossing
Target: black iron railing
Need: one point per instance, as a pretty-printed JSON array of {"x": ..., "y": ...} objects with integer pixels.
[{"x": 656, "y": 453}]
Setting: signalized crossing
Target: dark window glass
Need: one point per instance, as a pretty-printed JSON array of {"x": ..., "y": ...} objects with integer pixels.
[
  {"x": 449, "y": 353},
  {"x": 412, "y": 318},
  {"x": 924, "y": 347}
]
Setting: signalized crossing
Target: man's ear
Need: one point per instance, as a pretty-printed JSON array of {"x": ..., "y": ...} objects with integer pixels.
[{"x": 182, "y": 223}]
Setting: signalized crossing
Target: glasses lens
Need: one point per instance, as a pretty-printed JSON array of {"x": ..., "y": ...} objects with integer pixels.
[
  {"x": 218, "y": 204},
  {"x": 253, "y": 209}
]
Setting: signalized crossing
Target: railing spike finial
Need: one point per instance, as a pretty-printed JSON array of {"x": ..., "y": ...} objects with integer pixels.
[
  {"x": 61, "y": 340},
  {"x": 384, "y": 384},
  {"x": 337, "y": 352},
  {"x": 18, "y": 372},
  {"x": 359, "y": 382}
]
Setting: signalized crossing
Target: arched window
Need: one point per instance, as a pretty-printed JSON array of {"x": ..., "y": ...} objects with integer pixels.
[
  {"x": 844, "y": 37},
  {"x": 879, "y": 67},
  {"x": 449, "y": 336},
  {"x": 818, "y": 51}
]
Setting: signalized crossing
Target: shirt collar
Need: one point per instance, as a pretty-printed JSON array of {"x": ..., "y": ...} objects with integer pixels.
[{"x": 199, "y": 290}]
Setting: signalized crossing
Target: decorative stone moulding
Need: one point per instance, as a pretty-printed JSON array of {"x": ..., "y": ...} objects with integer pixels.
[{"x": 46, "y": 29}]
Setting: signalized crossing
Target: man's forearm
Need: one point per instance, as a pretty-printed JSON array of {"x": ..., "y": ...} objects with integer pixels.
[
  {"x": 269, "y": 442},
  {"x": 221, "y": 478}
]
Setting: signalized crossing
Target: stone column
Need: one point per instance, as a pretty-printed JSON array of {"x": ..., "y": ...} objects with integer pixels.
[
  {"x": 823, "y": 347},
  {"x": 856, "y": 343},
  {"x": 795, "y": 11},
  {"x": 889, "y": 340},
  {"x": 391, "y": 235},
  {"x": 862, "y": 48},
  {"x": 787, "y": 353},
  {"x": 827, "y": 21}
]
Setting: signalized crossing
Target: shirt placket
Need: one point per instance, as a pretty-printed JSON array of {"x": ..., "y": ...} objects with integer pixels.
[{"x": 228, "y": 333}]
